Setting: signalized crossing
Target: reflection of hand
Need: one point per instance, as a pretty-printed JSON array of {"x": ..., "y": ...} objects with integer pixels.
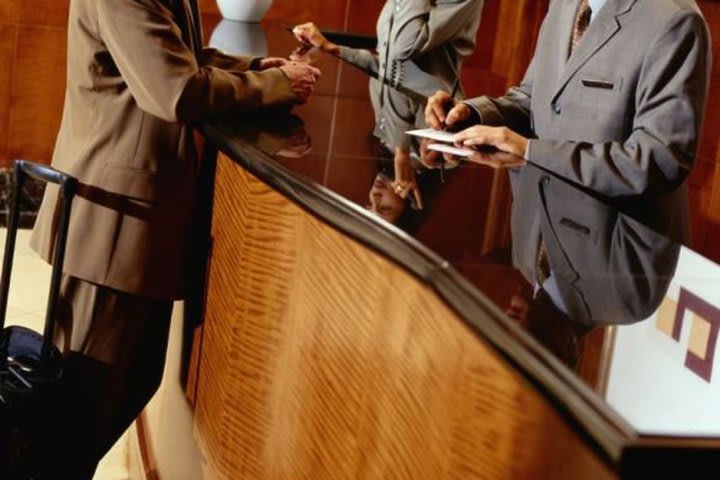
[
  {"x": 501, "y": 138},
  {"x": 272, "y": 62},
  {"x": 302, "y": 78},
  {"x": 310, "y": 34},
  {"x": 304, "y": 54},
  {"x": 297, "y": 146},
  {"x": 405, "y": 178},
  {"x": 442, "y": 111},
  {"x": 433, "y": 159}
]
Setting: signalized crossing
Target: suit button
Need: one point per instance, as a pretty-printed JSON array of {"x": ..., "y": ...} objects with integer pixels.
[{"x": 556, "y": 108}]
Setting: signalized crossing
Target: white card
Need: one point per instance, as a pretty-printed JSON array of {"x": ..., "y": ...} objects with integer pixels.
[
  {"x": 460, "y": 152},
  {"x": 438, "y": 135}
]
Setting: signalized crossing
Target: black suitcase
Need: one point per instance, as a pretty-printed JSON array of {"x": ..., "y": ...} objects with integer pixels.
[{"x": 30, "y": 365}]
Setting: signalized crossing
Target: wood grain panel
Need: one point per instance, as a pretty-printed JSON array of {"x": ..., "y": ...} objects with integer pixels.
[
  {"x": 44, "y": 12},
  {"x": 330, "y": 15},
  {"x": 362, "y": 16},
  {"x": 208, "y": 6},
  {"x": 36, "y": 105},
  {"x": 8, "y": 36},
  {"x": 9, "y": 11},
  {"x": 323, "y": 360}
]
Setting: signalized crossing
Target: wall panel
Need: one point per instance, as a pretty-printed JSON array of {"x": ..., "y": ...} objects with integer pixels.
[
  {"x": 8, "y": 36},
  {"x": 9, "y": 11},
  {"x": 44, "y": 12},
  {"x": 36, "y": 103}
]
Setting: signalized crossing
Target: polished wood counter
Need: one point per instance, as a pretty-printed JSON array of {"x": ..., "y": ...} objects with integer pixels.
[
  {"x": 339, "y": 341},
  {"x": 324, "y": 359}
]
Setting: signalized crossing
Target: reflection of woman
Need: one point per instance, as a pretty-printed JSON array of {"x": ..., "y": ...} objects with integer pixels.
[
  {"x": 414, "y": 36},
  {"x": 402, "y": 191}
]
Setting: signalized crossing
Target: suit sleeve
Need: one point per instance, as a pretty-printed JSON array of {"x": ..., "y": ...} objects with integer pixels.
[
  {"x": 212, "y": 57},
  {"x": 163, "y": 76},
  {"x": 361, "y": 58},
  {"x": 670, "y": 104},
  {"x": 512, "y": 110},
  {"x": 423, "y": 25}
]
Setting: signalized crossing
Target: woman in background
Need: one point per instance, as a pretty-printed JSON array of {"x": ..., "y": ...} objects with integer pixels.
[{"x": 421, "y": 47}]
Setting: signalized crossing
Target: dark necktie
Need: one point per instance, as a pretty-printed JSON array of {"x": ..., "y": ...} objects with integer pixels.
[
  {"x": 582, "y": 21},
  {"x": 542, "y": 266}
]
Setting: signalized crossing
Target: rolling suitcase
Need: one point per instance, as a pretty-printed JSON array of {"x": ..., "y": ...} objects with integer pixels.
[{"x": 30, "y": 365}]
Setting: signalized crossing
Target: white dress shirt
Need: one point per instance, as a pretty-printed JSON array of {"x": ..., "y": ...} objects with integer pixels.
[{"x": 595, "y": 6}]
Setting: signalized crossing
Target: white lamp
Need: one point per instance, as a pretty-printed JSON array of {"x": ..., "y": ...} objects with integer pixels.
[
  {"x": 244, "y": 10},
  {"x": 239, "y": 38}
]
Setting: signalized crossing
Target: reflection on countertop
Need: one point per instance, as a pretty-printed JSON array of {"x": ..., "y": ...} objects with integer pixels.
[{"x": 618, "y": 273}]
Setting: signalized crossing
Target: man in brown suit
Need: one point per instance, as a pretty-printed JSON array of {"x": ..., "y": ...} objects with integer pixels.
[{"x": 136, "y": 77}]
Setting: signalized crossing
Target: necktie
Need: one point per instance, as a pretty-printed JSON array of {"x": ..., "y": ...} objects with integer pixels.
[
  {"x": 582, "y": 21},
  {"x": 542, "y": 266}
]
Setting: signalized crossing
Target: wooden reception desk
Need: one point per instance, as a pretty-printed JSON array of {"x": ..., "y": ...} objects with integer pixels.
[{"x": 350, "y": 335}]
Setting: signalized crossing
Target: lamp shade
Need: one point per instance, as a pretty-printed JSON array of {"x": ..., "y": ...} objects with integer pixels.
[
  {"x": 244, "y": 10},
  {"x": 239, "y": 38}
]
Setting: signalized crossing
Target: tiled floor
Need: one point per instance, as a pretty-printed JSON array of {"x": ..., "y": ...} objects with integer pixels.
[{"x": 26, "y": 306}]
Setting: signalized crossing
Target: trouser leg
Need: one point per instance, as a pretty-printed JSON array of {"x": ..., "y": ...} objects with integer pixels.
[{"x": 114, "y": 345}]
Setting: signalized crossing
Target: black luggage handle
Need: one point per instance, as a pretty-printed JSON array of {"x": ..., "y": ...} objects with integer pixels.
[{"x": 68, "y": 187}]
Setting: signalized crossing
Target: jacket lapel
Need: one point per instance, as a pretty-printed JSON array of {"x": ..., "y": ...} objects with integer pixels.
[{"x": 601, "y": 30}]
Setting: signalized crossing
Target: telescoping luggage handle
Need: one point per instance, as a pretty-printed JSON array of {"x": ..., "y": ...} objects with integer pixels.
[{"x": 68, "y": 186}]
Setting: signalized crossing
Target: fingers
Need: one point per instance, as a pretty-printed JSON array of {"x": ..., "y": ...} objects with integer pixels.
[
  {"x": 481, "y": 135},
  {"x": 418, "y": 198},
  {"x": 303, "y": 32},
  {"x": 314, "y": 71},
  {"x": 458, "y": 113},
  {"x": 402, "y": 189},
  {"x": 451, "y": 160},
  {"x": 272, "y": 62},
  {"x": 435, "y": 109},
  {"x": 309, "y": 34}
]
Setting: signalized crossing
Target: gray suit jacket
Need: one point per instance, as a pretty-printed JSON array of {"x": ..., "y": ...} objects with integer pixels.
[
  {"x": 622, "y": 115},
  {"x": 415, "y": 36},
  {"x": 608, "y": 268}
]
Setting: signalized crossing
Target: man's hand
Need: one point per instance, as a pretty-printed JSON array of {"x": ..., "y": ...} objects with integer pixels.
[
  {"x": 272, "y": 62},
  {"x": 303, "y": 78},
  {"x": 501, "y": 138},
  {"x": 443, "y": 112}
]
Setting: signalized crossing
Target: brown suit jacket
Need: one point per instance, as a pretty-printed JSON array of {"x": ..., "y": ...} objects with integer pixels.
[{"x": 133, "y": 84}]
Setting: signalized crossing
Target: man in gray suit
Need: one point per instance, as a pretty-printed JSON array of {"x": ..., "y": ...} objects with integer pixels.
[{"x": 613, "y": 99}]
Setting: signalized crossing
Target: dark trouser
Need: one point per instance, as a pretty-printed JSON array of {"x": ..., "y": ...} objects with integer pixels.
[{"x": 114, "y": 345}]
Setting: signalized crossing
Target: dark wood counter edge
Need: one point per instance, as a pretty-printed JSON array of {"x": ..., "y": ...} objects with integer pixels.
[{"x": 608, "y": 433}]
